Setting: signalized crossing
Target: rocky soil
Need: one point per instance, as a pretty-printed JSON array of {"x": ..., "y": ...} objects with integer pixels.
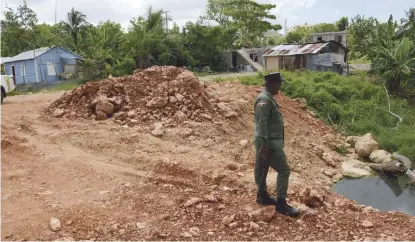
[{"x": 67, "y": 176}]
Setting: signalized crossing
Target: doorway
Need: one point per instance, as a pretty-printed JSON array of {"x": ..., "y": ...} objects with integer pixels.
[{"x": 13, "y": 72}]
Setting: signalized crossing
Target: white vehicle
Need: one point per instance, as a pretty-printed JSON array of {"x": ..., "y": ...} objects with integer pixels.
[{"x": 8, "y": 84}]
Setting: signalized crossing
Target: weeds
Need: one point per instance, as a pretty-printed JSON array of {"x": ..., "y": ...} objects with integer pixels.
[{"x": 352, "y": 104}]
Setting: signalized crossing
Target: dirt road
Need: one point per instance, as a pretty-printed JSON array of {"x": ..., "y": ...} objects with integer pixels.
[{"x": 104, "y": 181}]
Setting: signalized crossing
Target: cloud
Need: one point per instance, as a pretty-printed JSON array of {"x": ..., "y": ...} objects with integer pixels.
[{"x": 122, "y": 11}]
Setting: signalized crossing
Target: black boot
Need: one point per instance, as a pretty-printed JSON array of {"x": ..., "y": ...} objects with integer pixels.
[
  {"x": 265, "y": 199},
  {"x": 285, "y": 209}
]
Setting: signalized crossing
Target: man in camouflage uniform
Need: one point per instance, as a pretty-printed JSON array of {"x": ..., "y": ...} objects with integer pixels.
[{"x": 269, "y": 146}]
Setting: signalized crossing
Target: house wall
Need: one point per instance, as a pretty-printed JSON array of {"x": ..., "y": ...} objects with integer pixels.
[
  {"x": 227, "y": 56},
  {"x": 56, "y": 56},
  {"x": 272, "y": 63},
  {"x": 30, "y": 71},
  {"x": 329, "y": 36}
]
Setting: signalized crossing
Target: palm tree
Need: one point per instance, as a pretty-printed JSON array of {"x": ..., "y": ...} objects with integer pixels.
[
  {"x": 408, "y": 23},
  {"x": 394, "y": 64},
  {"x": 145, "y": 39},
  {"x": 76, "y": 23}
]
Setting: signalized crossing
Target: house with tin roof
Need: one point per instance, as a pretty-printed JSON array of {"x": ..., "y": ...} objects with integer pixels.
[
  {"x": 318, "y": 56},
  {"x": 47, "y": 64}
]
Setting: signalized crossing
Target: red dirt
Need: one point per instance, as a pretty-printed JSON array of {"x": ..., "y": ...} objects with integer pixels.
[{"x": 104, "y": 181}]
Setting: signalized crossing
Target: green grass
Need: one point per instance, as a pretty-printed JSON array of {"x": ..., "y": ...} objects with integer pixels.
[
  {"x": 63, "y": 86},
  {"x": 353, "y": 104}
]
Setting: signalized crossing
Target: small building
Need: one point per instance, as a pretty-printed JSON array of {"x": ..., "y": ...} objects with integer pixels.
[
  {"x": 339, "y": 36},
  {"x": 246, "y": 58},
  {"x": 48, "y": 64},
  {"x": 322, "y": 56}
]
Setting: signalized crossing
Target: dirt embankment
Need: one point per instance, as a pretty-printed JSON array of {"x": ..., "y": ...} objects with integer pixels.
[{"x": 117, "y": 180}]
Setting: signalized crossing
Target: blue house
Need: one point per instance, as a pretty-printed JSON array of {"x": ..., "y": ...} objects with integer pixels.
[{"x": 41, "y": 65}]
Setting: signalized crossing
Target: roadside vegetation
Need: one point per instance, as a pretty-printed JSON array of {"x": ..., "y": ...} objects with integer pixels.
[{"x": 352, "y": 105}]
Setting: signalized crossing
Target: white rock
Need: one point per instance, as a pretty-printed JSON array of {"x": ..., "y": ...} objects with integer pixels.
[
  {"x": 352, "y": 140},
  {"x": 157, "y": 102},
  {"x": 365, "y": 145},
  {"x": 55, "y": 224},
  {"x": 179, "y": 97},
  {"x": 230, "y": 114},
  {"x": 228, "y": 219},
  {"x": 253, "y": 226},
  {"x": 158, "y": 129},
  {"x": 192, "y": 201},
  {"x": 380, "y": 156},
  {"x": 186, "y": 235},
  {"x": 208, "y": 117},
  {"x": 337, "y": 177},
  {"x": 141, "y": 225},
  {"x": 328, "y": 173},
  {"x": 355, "y": 169},
  {"x": 194, "y": 231},
  {"x": 131, "y": 114},
  {"x": 329, "y": 159},
  {"x": 223, "y": 107},
  {"x": 233, "y": 225},
  {"x": 243, "y": 143},
  {"x": 180, "y": 116},
  {"x": 367, "y": 224},
  {"x": 58, "y": 112}
]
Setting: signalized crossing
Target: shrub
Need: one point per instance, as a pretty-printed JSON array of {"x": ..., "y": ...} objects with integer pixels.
[{"x": 353, "y": 104}]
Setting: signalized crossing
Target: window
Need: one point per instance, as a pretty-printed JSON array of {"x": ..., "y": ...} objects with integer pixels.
[
  {"x": 339, "y": 38},
  {"x": 23, "y": 70},
  {"x": 51, "y": 69},
  {"x": 320, "y": 38}
]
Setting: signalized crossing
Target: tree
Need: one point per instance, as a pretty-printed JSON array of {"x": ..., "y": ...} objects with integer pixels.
[
  {"x": 342, "y": 24},
  {"x": 17, "y": 33},
  {"x": 394, "y": 64},
  {"x": 204, "y": 44},
  {"x": 323, "y": 27},
  {"x": 75, "y": 24},
  {"x": 215, "y": 12},
  {"x": 299, "y": 34},
  {"x": 359, "y": 35},
  {"x": 382, "y": 34},
  {"x": 247, "y": 16},
  {"x": 145, "y": 39},
  {"x": 407, "y": 27}
]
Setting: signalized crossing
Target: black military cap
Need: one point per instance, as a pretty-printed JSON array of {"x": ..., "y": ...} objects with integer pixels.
[{"x": 274, "y": 77}]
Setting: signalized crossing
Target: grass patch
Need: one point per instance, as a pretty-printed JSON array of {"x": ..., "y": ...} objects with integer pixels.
[
  {"x": 38, "y": 88},
  {"x": 353, "y": 104}
]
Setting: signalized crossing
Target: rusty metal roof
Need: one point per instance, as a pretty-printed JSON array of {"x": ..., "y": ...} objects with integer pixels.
[{"x": 284, "y": 50}]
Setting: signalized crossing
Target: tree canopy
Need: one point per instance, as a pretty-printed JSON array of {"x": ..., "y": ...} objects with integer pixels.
[{"x": 226, "y": 25}]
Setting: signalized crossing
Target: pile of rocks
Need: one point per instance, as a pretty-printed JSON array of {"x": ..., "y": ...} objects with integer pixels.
[
  {"x": 367, "y": 148},
  {"x": 160, "y": 93}
]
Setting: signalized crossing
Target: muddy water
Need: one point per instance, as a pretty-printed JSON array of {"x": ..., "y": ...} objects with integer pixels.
[{"x": 382, "y": 192}]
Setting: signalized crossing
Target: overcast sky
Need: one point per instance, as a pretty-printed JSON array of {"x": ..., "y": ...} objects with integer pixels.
[{"x": 181, "y": 11}]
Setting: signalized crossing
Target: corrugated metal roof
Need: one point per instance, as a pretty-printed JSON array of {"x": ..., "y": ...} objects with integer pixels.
[
  {"x": 284, "y": 50},
  {"x": 27, "y": 55}
]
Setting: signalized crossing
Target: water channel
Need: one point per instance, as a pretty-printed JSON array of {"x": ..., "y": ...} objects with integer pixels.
[{"x": 386, "y": 193}]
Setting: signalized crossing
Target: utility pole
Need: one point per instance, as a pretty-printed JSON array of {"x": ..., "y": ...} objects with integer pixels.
[
  {"x": 56, "y": 10},
  {"x": 167, "y": 24},
  {"x": 285, "y": 28}
]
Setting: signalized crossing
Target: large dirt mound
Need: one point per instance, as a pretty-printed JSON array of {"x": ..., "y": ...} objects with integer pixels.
[{"x": 165, "y": 93}]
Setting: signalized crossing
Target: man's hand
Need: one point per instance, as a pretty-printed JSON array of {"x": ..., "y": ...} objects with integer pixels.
[{"x": 264, "y": 152}]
